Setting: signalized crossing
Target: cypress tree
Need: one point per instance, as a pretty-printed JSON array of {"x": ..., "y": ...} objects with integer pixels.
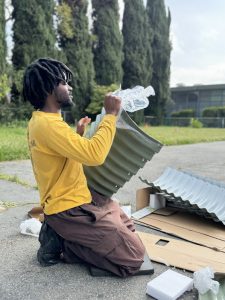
[
  {"x": 33, "y": 31},
  {"x": 75, "y": 41},
  {"x": 161, "y": 48},
  {"x": 2, "y": 37},
  {"x": 107, "y": 47},
  {"x": 137, "y": 64}
]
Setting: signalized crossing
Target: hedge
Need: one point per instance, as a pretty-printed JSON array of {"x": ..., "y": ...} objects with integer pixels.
[
  {"x": 185, "y": 113},
  {"x": 10, "y": 113},
  {"x": 214, "y": 112}
]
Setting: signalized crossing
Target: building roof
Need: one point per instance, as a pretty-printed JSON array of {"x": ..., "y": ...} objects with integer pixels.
[
  {"x": 130, "y": 150},
  {"x": 199, "y": 87}
]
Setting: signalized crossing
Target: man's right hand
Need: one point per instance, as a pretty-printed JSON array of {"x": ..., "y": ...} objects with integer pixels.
[{"x": 112, "y": 104}]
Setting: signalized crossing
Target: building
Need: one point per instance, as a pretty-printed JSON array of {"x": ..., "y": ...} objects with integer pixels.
[{"x": 196, "y": 97}]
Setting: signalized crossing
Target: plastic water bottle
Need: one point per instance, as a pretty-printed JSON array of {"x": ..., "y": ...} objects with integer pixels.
[{"x": 136, "y": 98}]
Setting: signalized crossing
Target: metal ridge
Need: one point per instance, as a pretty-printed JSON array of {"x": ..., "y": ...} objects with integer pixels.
[
  {"x": 130, "y": 150},
  {"x": 192, "y": 192}
]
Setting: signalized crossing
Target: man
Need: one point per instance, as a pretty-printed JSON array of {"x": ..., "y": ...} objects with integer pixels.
[{"x": 80, "y": 225}]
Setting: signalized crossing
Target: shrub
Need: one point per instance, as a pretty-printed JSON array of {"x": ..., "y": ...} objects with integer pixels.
[
  {"x": 185, "y": 113},
  {"x": 4, "y": 87},
  {"x": 11, "y": 113},
  {"x": 98, "y": 95},
  {"x": 214, "y": 112},
  {"x": 194, "y": 123}
]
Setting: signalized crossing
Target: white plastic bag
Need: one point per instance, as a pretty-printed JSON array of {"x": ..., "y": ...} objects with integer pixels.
[
  {"x": 136, "y": 98},
  {"x": 30, "y": 227},
  {"x": 203, "y": 281}
]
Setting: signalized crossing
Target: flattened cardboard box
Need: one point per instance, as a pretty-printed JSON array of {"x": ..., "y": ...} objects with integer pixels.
[
  {"x": 190, "y": 227},
  {"x": 182, "y": 254}
]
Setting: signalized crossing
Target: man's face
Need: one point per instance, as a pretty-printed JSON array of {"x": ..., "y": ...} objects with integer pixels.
[{"x": 63, "y": 95}]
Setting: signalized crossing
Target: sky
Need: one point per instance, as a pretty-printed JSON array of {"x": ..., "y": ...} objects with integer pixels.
[{"x": 198, "y": 41}]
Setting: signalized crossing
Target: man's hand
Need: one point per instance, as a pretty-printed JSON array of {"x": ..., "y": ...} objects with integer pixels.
[
  {"x": 112, "y": 104},
  {"x": 81, "y": 125}
]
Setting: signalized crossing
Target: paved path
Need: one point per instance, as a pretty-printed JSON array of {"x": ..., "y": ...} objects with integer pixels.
[{"x": 21, "y": 278}]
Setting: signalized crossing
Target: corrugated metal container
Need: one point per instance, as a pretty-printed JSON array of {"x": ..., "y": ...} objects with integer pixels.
[
  {"x": 197, "y": 194},
  {"x": 131, "y": 149}
]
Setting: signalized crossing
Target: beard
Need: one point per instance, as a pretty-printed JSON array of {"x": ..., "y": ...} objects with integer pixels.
[
  {"x": 65, "y": 100},
  {"x": 66, "y": 103},
  {"x": 63, "y": 96}
]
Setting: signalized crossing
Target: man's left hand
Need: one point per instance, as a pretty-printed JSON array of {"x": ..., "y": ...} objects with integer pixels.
[{"x": 81, "y": 125}]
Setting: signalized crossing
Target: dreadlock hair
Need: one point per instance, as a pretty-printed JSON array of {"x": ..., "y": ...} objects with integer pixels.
[{"x": 40, "y": 79}]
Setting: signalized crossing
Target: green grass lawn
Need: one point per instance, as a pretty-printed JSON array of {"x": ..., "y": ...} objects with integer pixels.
[
  {"x": 13, "y": 142},
  {"x": 185, "y": 135}
]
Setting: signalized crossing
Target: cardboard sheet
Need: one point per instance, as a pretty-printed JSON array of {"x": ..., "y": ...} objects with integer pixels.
[
  {"x": 189, "y": 227},
  {"x": 142, "y": 197},
  {"x": 196, "y": 223},
  {"x": 182, "y": 254}
]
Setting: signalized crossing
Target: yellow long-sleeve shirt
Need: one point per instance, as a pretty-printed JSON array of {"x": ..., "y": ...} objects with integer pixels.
[{"x": 57, "y": 154}]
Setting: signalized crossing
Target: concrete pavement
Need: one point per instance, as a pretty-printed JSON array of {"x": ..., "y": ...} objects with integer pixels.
[{"x": 21, "y": 277}]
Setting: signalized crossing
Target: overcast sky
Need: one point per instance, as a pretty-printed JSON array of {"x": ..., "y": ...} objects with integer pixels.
[{"x": 198, "y": 40}]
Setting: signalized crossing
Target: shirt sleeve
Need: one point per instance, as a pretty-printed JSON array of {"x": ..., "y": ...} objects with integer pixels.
[{"x": 63, "y": 140}]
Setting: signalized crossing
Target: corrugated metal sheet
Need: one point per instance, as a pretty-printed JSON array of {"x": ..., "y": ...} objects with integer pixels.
[
  {"x": 131, "y": 149},
  {"x": 210, "y": 296},
  {"x": 194, "y": 193}
]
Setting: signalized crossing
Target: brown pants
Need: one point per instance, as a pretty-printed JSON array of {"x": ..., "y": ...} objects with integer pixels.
[{"x": 100, "y": 234}]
